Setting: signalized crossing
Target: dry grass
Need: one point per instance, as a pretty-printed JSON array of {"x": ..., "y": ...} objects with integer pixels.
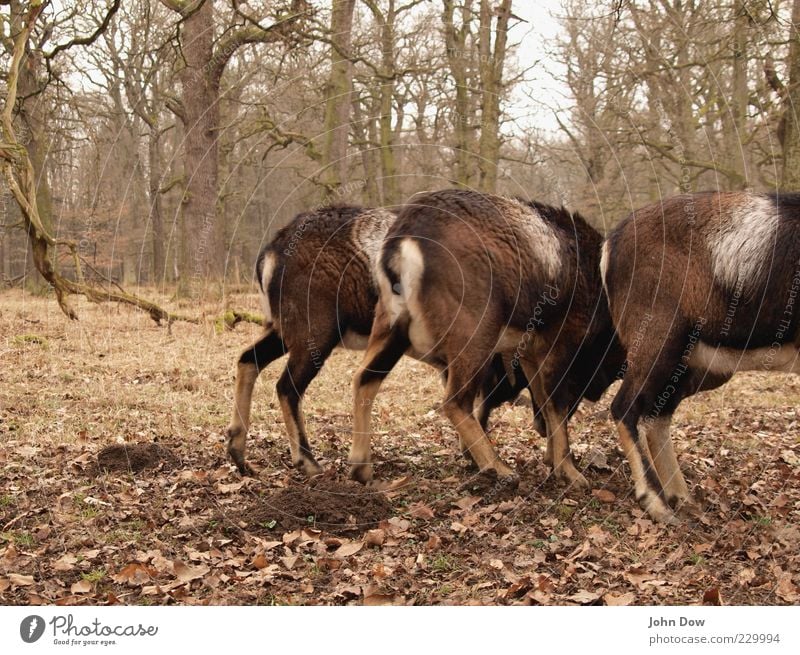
[{"x": 71, "y": 388}]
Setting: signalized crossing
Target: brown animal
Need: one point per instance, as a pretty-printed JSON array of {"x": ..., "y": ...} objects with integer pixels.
[
  {"x": 318, "y": 290},
  {"x": 699, "y": 286},
  {"x": 465, "y": 276}
]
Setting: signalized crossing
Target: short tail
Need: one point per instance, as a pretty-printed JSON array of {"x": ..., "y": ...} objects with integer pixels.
[{"x": 400, "y": 277}]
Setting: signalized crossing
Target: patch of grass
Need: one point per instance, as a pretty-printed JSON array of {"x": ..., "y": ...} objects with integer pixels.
[
  {"x": 24, "y": 539},
  {"x": 89, "y": 512},
  {"x": 271, "y": 600},
  {"x": 269, "y": 525},
  {"x": 612, "y": 526},
  {"x": 696, "y": 559},
  {"x": 7, "y": 500},
  {"x": 762, "y": 521},
  {"x": 30, "y": 339},
  {"x": 539, "y": 543},
  {"x": 444, "y": 563},
  {"x": 565, "y": 512},
  {"x": 94, "y": 576},
  {"x": 130, "y": 531},
  {"x": 445, "y": 590}
]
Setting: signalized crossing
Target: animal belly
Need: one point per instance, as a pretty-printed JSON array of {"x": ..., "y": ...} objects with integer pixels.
[{"x": 727, "y": 361}]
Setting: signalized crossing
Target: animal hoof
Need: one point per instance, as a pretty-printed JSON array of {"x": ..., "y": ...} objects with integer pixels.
[
  {"x": 658, "y": 510},
  {"x": 309, "y": 467},
  {"x": 361, "y": 473},
  {"x": 578, "y": 482}
]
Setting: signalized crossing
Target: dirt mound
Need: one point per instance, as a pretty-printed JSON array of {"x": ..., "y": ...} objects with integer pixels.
[
  {"x": 133, "y": 457},
  {"x": 340, "y": 507}
]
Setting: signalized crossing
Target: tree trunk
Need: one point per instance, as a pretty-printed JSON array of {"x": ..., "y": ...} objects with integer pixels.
[
  {"x": 201, "y": 260},
  {"x": 456, "y": 44},
  {"x": 790, "y": 175},
  {"x": 154, "y": 194},
  {"x": 338, "y": 97},
  {"x": 492, "y": 62},
  {"x": 33, "y": 113}
]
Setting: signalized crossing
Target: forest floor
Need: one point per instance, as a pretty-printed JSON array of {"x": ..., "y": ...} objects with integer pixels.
[{"x": 185, "y": 528}]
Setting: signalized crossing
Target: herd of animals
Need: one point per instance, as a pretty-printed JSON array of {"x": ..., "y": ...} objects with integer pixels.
[{"x": 502, "y": 294}]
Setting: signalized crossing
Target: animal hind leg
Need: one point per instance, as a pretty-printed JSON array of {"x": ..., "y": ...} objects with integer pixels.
[
  {"x": 302, "y": 367},
  {"x": 385, "y": 348},
  {"x": 555, "y": 419},
  {"x": 643, "y": 388},
  {"x": 462, "y": 384},
  {"x": 666, "y": 463},
  {"x": 251, "y": 362}
]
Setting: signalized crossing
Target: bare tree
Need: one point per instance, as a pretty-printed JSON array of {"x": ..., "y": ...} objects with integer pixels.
[{"x": 204, "y": 59}]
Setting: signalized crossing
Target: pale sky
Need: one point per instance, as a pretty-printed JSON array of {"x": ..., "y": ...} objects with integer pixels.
[{"x": 532, "y": 100}]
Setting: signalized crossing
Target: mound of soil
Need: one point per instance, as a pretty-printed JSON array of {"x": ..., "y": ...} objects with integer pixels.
[
  {"x": 335, "y": 506},
  {"x": 133, "y": 457}
]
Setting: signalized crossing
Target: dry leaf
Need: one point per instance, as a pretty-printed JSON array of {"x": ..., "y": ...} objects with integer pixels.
[
  {"x": 290, "y": 561},
  {"x": 260, "y": 561},
  {"x": 712, "y": 597},
  {"x": 433, "y": 543},
  {"x": 20, "y": 580},
  {"x": 4, "y": 584},
  {"x": 604, "y": 495},
  {"x": 65, "y": 563},
  {"x": 615, "y": 600},
  {"x": 595, "y": 458},
  {"x": 188, "y": 573},
  {"x": 346, "y": 550},
  {"x": 786, "y": 590},
  {"x": 421, "y": 511},
  {"x": 81, "y": 587},
  {"x": 134, "y": 573},
  {"x": 380, "y": 599},
  {"x": 584, "y": 597},
  {"x": 375, "y": 537},
  {"x": 467, "y": 502}
]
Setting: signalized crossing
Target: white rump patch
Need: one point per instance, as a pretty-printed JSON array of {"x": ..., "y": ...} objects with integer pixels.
[
  {"x": 743, "y": 245},
  {"x": 409, "y": 265},
  {"x": 604, "y": 252},
  {"x": 267, "y": 269},
  {"x": 543, "y": 240}
]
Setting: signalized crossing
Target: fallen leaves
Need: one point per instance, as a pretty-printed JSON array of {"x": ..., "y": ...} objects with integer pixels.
[
  {"x": 134, "y": 574},
  {"x": 348, "y": 549},
  {"x": 604, "y": 495},
  {"x": 186, "y": 573},
  {"x": 81, "y": 587},
  {"x": 198, "y": 533},
  {"x": 619, "y": 600},
  {"x": 18, "y": 580}
]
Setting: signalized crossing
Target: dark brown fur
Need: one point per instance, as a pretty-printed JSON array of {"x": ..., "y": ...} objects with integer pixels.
[
  {"x": 488, "y": 269},
  {"x": 668, "y": 302},
  {"x": 320, "y": 292}
]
